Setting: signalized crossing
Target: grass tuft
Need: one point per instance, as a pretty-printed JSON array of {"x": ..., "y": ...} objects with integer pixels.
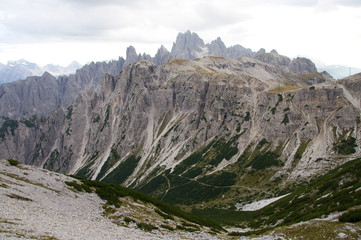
[
  {"x": 351, "y": 216},
  {"x": 13, "y": 162},
  {"x": 284, "y": 89},
  {"x": 18, "y": 197}
]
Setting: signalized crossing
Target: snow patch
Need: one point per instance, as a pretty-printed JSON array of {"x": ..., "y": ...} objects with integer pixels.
[
  {"x": 258, "y": 204},
  {"x": 324, "y": 196},
  {"x": 204, "y": 52},
  {"x": 342, "y": 235}
]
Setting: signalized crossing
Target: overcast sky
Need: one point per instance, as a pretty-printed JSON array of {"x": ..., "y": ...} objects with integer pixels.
[{"x": 60, "y": 31}]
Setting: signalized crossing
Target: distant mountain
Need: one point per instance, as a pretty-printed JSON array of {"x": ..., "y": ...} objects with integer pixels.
[
  {"x": 60, "y": 70},
  {"x": 338, "y": 71},
  {"x": 21, "y": 69},
  {"x": 190, "y": 46},
  {"x": 44, "y": 94}
]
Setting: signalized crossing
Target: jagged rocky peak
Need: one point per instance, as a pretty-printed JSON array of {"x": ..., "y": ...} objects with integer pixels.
[
  {"x": 35, "y": 96},
  {"x": 188, "y": 46},
  {"x": 274, "y": 51},
  {"x": 145, "y": 56},
  {"x": 162, "y": 56},
  {"x": 217, "y": 48},
  {"x": 131, "y": 56},
  {"x": 46, "y": 74},
  {"x": 261, "y": 51},
  {"x": 42, "y": 95}
]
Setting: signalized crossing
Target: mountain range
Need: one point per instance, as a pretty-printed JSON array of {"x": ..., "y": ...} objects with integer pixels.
[
  {"x": 21, "y": 69},
  {"x": 28, "y": 97},
  {"x": 188, "y": 46},
  {"x": 208, "y": 133}
]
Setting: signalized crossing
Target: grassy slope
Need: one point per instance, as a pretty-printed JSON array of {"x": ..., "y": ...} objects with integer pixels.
[
  {"x": 248, "y": 178},
  {"x": 339, "y": 190}
]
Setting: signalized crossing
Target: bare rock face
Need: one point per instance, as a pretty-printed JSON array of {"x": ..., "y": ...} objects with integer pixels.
[
  {"x": 206, "y": 123},
  {"x": 14, "y": 97},
  {"x": 186, "y": 131},
  {"x": 275, "y": 59},
  {"x": 297, "y": 65},
  {"x": 131, "y": 56},
  {"x": 352, "y": 88},
  {"x": 302, "y": 65},
  {"x": 217, "y": 48},
  {"x": 188, "y": 46},
  {"x": 162, "y": 56},
  {"x": 42, "y": 95},
  {"x": 260, "y": 52}
]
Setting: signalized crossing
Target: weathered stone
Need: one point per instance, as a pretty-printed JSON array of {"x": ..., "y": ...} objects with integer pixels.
[{"x": 161, "y": 115}]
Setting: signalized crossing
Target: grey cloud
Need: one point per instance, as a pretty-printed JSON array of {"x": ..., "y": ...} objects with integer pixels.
[
  {"x": 210, "y": 15},
  {"x": 215, "y": 16},
  {"x": 58, "y": 21}
]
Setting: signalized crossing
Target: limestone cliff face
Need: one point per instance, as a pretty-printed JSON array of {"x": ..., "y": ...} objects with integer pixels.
[
  {"x": 211, "y": 124},
  {"x": 188, "y": 46},
  {"x": 42, "y": 95},
  {"x": 297, "y": 65},
  {"x": 302, "y": 65}
]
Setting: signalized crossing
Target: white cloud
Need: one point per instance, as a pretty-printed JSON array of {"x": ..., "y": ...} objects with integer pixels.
[{"x": 99, "y": 30}]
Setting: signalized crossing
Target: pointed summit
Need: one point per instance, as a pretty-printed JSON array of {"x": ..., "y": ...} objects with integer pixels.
[
  {"x": 187, "y": 46},
  {"x": 274, "y": 51},
  {"x": 217, "y": 48},
  {"x": 131, "y": 57},
  {"x": 261, "y": 51},
  {"x": 162, "y": 56}
]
